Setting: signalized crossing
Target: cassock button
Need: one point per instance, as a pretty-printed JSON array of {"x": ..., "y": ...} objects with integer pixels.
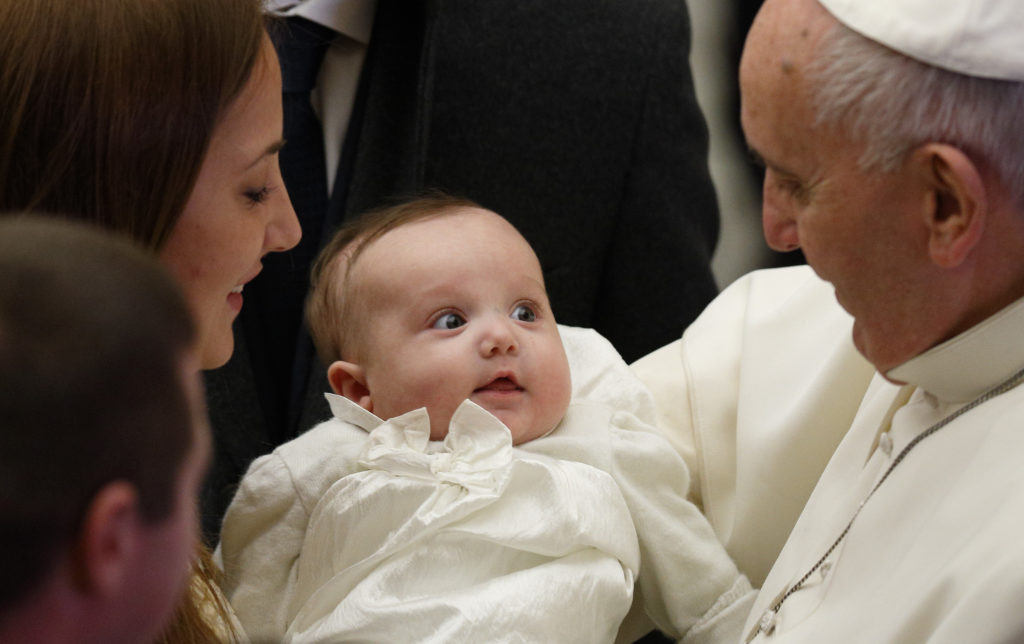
[{"x": 885, "y": 444}]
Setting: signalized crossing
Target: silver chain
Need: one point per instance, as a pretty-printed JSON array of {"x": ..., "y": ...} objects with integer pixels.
[{"x": 766, "y": 624}]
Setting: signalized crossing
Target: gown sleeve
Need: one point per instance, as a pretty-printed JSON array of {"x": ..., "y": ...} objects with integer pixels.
[{"x": 266, "y": 523}]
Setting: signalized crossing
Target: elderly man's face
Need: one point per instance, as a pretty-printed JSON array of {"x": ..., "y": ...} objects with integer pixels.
[{"x": 861, "y": 231}]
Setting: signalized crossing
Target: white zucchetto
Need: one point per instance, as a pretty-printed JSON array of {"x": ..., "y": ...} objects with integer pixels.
[{"x": 974, "y": 37}]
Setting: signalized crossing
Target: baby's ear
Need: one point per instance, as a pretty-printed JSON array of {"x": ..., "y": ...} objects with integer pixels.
[{"x": 349, "y": 380}]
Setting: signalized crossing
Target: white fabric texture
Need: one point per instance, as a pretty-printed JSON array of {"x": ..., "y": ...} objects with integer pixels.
[
  {"x": 935, "y": 553},
  {"x": 756, "y": 396},
  {"x": 365, "y": 530},
  {"x": 973, "y": 37}
]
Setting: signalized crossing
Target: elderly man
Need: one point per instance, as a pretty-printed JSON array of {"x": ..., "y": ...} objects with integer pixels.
[
  {"x": 890, "y": 132},
  {"x": 894, "y": 153}
]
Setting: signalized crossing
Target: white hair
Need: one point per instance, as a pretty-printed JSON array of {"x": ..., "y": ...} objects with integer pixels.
[{"x": 893, "y": 103}]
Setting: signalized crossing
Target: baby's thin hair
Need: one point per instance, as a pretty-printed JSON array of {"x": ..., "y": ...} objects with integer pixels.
[{"x": 330, "y": 313}]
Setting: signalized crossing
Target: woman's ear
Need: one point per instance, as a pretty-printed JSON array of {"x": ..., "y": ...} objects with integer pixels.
[
  {"x": 108, "y": 540},
  {"x": 957, "y": 206},
  {"x": 349, "y": 380}
]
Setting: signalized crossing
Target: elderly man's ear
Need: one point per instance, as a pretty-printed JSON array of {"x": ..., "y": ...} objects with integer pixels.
[
  {"x": 956, "y": 202},
  {"x": 349, "y": 380}
]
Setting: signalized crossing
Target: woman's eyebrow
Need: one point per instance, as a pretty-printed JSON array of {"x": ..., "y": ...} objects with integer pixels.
[{"x": 270, "y": 150}]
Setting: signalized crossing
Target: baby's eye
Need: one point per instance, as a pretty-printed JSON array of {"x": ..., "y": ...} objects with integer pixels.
[
  {"x": 448, "y": 321},
  {"x": 524, "y": 313}
]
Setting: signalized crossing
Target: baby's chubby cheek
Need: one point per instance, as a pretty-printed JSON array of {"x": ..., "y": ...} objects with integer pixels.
[{"x": 547, "y": 408}]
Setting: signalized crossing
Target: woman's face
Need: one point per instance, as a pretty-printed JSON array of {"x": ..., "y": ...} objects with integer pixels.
[{"x": 238, "y": 211}]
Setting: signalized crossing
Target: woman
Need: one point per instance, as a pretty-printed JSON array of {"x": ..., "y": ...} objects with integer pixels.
[{"x": 160, "y": 119}]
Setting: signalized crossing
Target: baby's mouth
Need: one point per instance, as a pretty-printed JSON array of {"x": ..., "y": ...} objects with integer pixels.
[{"x": 501, "y": 384}]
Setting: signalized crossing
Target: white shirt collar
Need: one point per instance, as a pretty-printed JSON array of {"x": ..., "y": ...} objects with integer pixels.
[
  {"x": 353, "y": 18},
  {"x": 966, "y": 366},
  {"x": 473, "y": 454},
  {"x": 468, "y": 418},
  {"x": 346, "y": 410}
]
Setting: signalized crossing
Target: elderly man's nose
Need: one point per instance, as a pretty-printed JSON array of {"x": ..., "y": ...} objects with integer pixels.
[{"x": 780, "y": 230}]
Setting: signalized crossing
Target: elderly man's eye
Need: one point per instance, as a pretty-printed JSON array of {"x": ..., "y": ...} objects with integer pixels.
[
  {"x": 800, "y": 193},
  {"x": 524, "y": 313},
  {"x": 448, "y": 321},
  {"x": 793, "y": 189}
]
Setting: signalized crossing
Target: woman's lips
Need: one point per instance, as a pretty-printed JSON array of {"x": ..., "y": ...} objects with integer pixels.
[{"x": 235, "y": 298}]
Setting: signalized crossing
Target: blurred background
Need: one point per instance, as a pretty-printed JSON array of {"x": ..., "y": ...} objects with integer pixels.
[{"x": 719, "y": 28}]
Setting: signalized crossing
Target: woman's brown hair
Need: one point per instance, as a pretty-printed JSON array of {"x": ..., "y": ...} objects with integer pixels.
[{"x": 107, "y": 107}]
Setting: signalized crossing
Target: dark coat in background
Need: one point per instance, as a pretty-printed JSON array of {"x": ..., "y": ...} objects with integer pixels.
[{"x": 574, "y": 119}]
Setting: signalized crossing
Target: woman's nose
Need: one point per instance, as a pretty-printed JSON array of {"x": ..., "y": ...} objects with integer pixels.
[{"x": 283, "y": 230}]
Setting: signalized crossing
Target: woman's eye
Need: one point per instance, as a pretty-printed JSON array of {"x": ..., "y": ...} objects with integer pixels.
[
  {"x": 524, "y": 313},
  {"x": 257, "y": 195},
  {"x": 448, "y": 321}
]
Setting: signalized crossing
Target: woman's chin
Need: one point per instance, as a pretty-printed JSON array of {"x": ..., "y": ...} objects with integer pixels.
[{"x": 216, "y": 351}]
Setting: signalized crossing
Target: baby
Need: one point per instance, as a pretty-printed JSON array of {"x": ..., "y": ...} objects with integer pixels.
[{"x": 457, "y": 495}]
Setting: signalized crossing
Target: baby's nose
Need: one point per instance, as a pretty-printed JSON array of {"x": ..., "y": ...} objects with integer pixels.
[{"x": 498, "y": 338}]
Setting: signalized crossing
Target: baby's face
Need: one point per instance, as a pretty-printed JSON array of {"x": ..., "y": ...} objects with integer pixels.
[{"x": 458, "y": 310}]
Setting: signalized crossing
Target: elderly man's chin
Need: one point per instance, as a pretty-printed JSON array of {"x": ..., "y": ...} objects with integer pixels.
[
  {"x": 861, "y": 337},
  {"x": 860, "y": 341},
  {"x": 880, "y": 349},
  {"x": 858, "y": 332}
]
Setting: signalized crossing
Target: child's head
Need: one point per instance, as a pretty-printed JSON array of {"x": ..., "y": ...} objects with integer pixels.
[
  {"x": 435, "y": 301},
  {"x": 104, "y": 440}
]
